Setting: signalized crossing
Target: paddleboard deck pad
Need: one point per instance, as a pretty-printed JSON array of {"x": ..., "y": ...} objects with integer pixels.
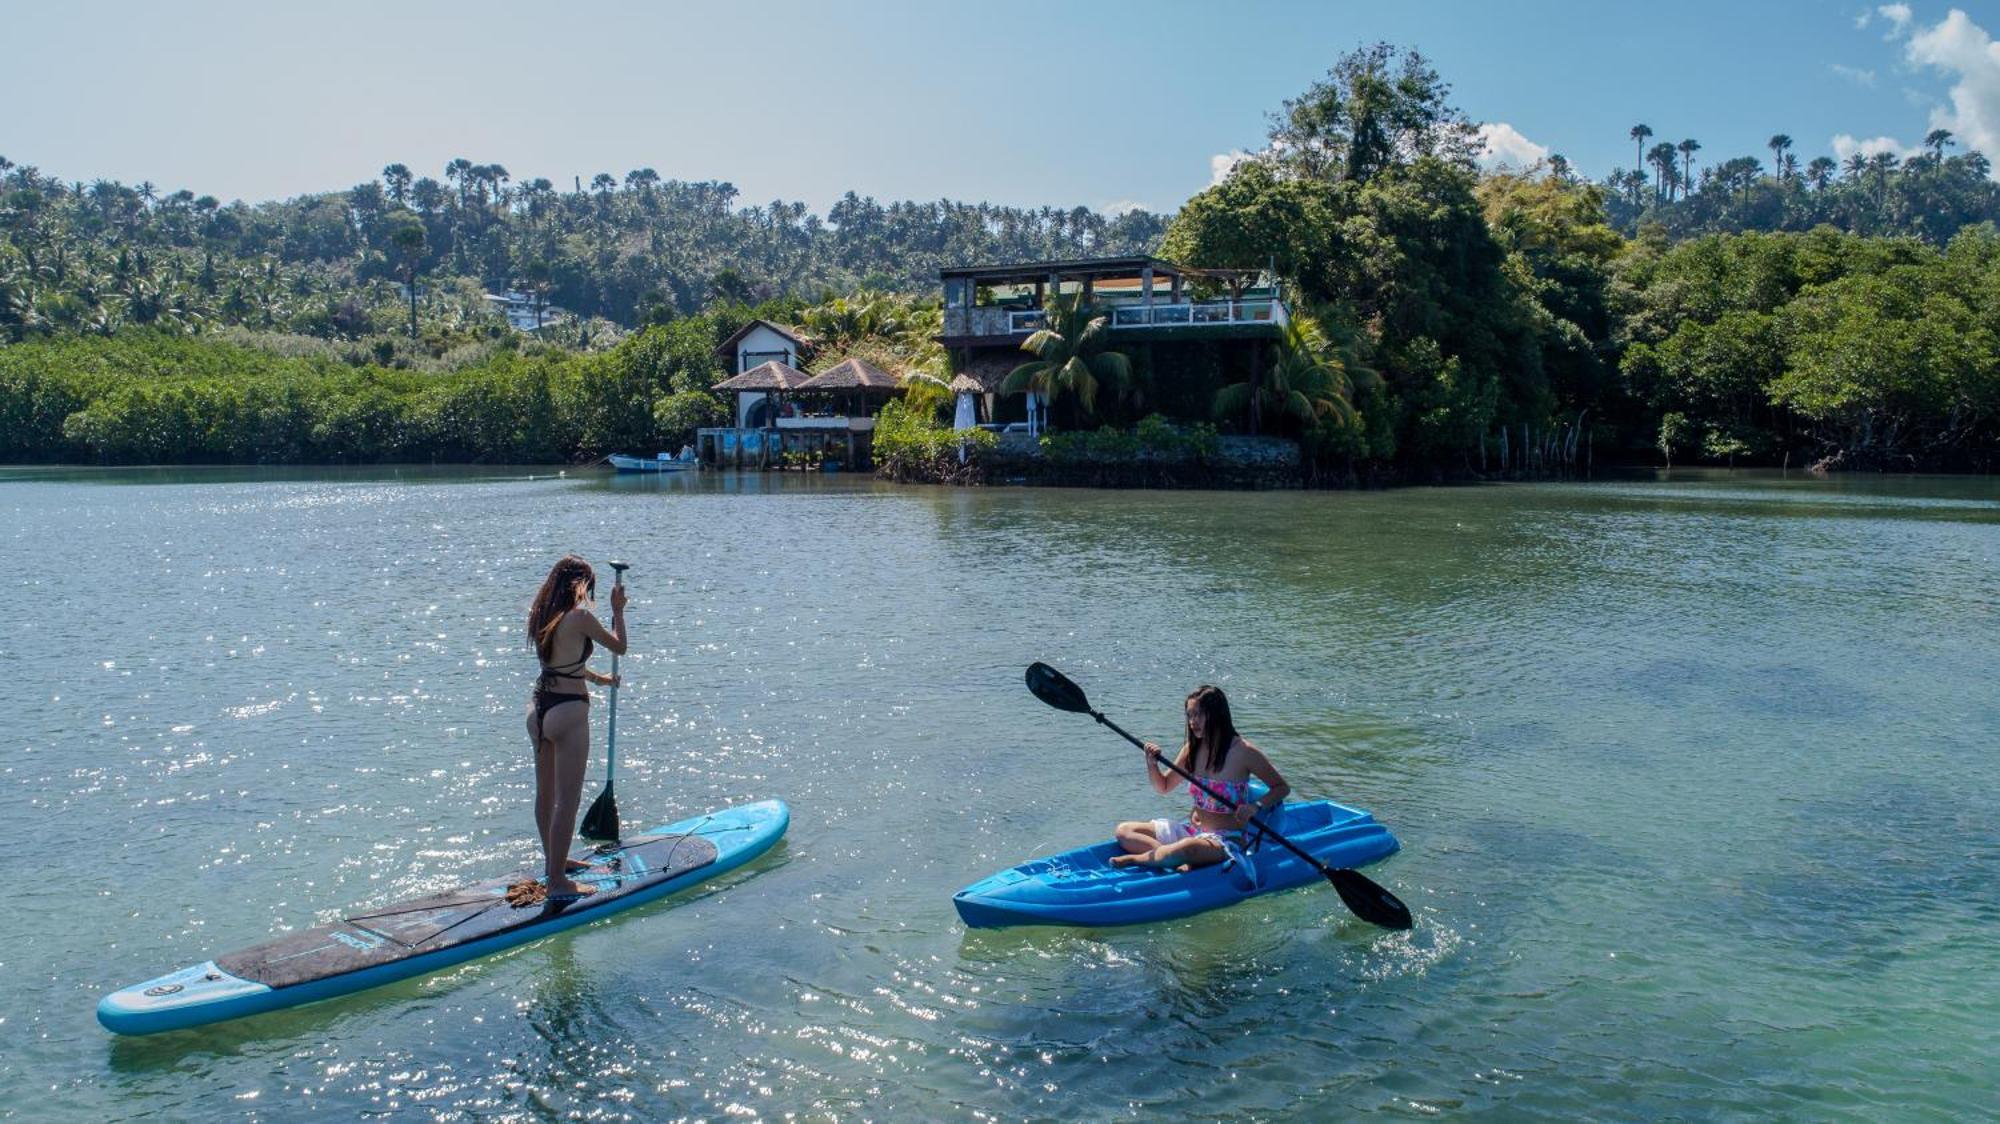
[
  {"x": 392, "y": 942},
  {"x": 1082, "y": 888}
]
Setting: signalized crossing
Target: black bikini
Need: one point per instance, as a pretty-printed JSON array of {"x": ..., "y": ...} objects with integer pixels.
[{"x": 546, "y": 699}]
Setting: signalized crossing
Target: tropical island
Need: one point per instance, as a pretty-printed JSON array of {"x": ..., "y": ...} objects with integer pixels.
[{"x": 1367, "y": 296}]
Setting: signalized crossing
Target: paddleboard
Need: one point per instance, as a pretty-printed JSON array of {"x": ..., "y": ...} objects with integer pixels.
[{"x": 422, "y": 935}]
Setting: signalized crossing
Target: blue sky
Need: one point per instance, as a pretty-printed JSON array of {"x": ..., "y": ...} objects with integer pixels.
[{"x": 1020, "y": 102}]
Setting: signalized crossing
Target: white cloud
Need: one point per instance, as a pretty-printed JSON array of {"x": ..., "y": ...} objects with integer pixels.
[
  {"x": 1861, "y": 18},
  {"x": 1898, "y": 16},
  {"x": 1223, "y": 163},
  {"x": 1502, "y": 146},
  {"x": 1966, "y": 51},
  {"x": 1123, "y": 206},
  {"x": 1855, "y": 74},
  {"x": 1845, "y": 146}
]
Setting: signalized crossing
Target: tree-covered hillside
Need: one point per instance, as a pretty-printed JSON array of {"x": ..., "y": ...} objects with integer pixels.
[{"x": 95, "y": 257}]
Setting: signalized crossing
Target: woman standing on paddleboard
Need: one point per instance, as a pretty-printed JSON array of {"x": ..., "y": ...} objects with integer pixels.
[
  {"x": 1224, "y": 761},
  {"x": 563, "y": 630}
]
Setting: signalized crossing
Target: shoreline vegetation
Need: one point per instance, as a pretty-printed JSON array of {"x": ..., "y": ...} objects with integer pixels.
[{"x": 1448, "y": 323}]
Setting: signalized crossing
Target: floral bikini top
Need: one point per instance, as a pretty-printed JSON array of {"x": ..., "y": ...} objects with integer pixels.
[{"x": 1235, "y": 792}]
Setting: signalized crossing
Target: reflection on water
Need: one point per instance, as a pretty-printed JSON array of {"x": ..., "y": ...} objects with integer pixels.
[{"x": 1691, "y": 774}]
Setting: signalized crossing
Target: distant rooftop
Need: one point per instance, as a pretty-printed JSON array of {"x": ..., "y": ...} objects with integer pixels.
[{"x": 1078, "y": 269}]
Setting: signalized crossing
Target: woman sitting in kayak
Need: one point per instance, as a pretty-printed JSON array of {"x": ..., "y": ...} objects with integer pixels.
[
  {"x": 563, "y": 630},
  {"x": 1224, "y": 761}
]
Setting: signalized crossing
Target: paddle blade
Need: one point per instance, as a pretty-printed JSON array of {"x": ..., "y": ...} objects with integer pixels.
[
  {"x": 601, "y": 822},
  {"x": 1370, "y": 902},
  {"x": 1054, "y": 688}
]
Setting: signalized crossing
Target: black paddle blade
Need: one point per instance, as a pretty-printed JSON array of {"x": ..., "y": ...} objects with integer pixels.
[
  {"x": 601, "y": 822},
  {"x": 1370, "y": 902},
  {"x": 1054, "y": 688}
]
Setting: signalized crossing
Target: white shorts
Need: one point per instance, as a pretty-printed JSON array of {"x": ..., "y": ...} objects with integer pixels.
[{"x": 1173, "y": 831}]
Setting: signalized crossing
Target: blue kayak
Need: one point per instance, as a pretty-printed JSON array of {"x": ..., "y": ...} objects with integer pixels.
[
  {"x": 1081, "y": 887},
  {"x": 436, "y": 931}
]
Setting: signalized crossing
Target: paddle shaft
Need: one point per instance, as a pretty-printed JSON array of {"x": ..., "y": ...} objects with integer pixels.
[
  {"x": 611, "y": 724},
  {"x": 1217, "y": 796}
]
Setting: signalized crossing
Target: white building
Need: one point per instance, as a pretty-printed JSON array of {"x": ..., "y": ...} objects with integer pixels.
[
  {"x": 522, "y": 311},
  {"x": 753, "y": 345}
]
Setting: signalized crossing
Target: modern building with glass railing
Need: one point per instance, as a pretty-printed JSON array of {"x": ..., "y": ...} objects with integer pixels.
[
  {"x": 988, "y": 304},
  {"x": 1152, "y": 305}
]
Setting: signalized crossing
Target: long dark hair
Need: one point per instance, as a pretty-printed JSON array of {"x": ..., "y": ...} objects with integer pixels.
[
  {"x": 558, "y": 596},
  {"x": 1219, "y": 726}
]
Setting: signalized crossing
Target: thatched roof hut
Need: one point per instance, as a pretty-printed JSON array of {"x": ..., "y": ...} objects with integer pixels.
[
  {"x": 853, "y": 373},
  {"x": 765, "y": 377}
]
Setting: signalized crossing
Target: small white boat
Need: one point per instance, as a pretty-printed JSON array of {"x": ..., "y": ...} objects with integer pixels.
[{"x": 661, "y": 463}]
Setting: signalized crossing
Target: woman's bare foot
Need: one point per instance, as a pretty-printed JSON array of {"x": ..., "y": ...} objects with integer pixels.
[
  {"x": 1139, "y": 859},
  {"x": 569, "y": 888},
  {"x": 577, "y": 866}
]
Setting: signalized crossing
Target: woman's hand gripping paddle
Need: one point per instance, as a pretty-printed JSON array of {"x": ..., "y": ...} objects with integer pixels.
[
  {"x": 601, "y": 822},
  {"x": 1369, "y": 901}
]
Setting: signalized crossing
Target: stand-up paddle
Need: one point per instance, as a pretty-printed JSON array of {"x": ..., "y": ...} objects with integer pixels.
[
  {"x": 1369, "y": 901},
  {"x": 601, "y": 822}
]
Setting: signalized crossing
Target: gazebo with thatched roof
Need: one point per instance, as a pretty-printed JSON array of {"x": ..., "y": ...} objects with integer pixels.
[
  {"x": 855, "y": 383},
  {"x": 755, "y": 439},
  {"x": 767, "y": 381}
]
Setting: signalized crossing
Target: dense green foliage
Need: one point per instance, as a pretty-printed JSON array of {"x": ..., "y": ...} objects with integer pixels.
[
  {"x": 150, "y": 396},
  {"x": 910, "y": 444},
  {"x": 1370, "y": 205},
  {"x": 1154, "y": 438},
  {"x": 1870, "y": 352}
]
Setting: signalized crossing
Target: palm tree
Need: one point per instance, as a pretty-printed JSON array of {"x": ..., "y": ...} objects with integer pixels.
[
  {"x": 397, "y": 178},
  {"x": 1071, "y": 356},
  {"x": 1854, "y": 165},
  {"x": 459, "y": 174},
  {"x": 1819, "y": 173},
  {"x": 1778, "y": 144},
  {"x": 1880, "y": 164},
  {"x": 1662, "y": 157},
  {"x": 410, "y": 242},
  {"x": 1639, "y": 134},
  {"x": 1308, "y": 380},
  {"x": 1687, "y": 149},
  {"x": 426, "y": 195}
]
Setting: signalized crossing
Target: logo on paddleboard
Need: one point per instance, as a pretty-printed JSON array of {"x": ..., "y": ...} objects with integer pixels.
[{"x": 162, "y": 989}]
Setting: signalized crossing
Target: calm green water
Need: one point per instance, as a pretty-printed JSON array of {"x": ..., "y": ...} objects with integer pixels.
[{"x": 1695, "y": 778}]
